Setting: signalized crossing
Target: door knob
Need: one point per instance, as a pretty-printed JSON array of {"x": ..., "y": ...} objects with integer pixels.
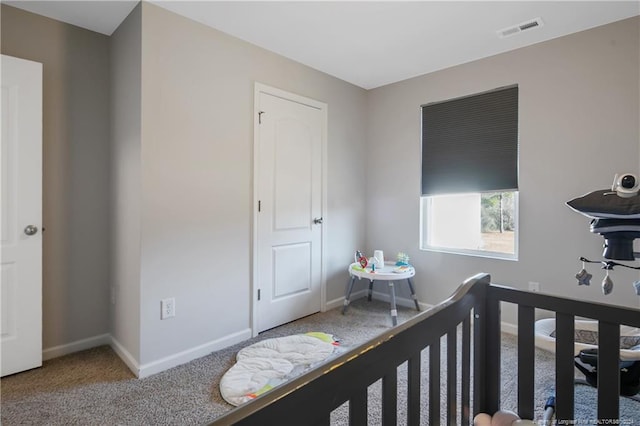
[
  {"x": 317, "y": 220},
  {"x": 31, "y": 230}
]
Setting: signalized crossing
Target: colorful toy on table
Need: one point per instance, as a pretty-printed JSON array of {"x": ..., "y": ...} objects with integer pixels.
[
  {"x": 361, "y": 260},
  {"x": 402, "y": 263},
  {"x": 375, "y": 263},
  {"x": 402, "y": 259}
]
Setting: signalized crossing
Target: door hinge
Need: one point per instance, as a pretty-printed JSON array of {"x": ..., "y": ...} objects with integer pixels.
[
  {"x": 260, "y": 116},
  {"x": 259, "y": 205},
  {"x": 258, "y": 294}
]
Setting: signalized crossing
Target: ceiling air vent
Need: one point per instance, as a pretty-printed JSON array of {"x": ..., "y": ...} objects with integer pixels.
[{"x": 525, "y": 26}]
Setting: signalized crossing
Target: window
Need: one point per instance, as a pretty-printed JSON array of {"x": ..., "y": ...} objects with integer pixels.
[
  {"x": 469, "y": 201},
  {"x": 477, "y": 223}
]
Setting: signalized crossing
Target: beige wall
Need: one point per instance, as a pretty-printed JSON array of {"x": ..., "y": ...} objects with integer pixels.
[
  {"x": 76, "y": 170},
  {"x": 578, "y": 127},
  {"x": 182, "y": 138},
  {"x": 197, "y": 176},
  {"x": 174, "y": 211},
  {"x": 126, "y": 146}
]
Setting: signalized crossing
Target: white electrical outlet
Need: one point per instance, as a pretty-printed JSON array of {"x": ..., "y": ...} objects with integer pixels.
[
  {"x": 534, "y": 286},
  {"x": 167, "y": 308}
]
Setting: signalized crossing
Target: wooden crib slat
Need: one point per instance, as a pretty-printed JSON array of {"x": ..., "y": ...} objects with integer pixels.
[
  {"x": 358, "y": 408},
  {"x": 479, "y": 370},
  {"x": 526, "y": 357},
  {"x": 608, "y": 371},
  {"x": 466, "y": 371},
  {"x": 492, "y": 359},
  {"x": 413, "y": 390},
  {"x": 390, "y": 398},
  {"x": 452, "y": 355},
  {"x": 565, "y": 326},
  {"x": 434, "y": 383},
  {"x": 324, "y": 421},
  {"x": 347, "y": 377}
]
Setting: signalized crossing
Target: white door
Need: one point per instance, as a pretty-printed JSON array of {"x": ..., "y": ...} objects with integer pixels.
[
  {"x": 21, "y": 215},
  {"x": 290, "y": 134}
]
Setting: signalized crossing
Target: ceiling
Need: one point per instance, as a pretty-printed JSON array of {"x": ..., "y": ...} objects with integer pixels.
[{"x": 367, "y": 43}]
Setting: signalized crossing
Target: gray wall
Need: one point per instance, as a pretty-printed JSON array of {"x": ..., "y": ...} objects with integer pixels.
[
  {"x": 76, "y": 170},
  {"x": 174, "y": 211},
  {"x": 197, "y": 177},
  {"x": 126, "y": 146},
  {"x": 579, "y": 125},
  {"x": 182, "y": 129}
]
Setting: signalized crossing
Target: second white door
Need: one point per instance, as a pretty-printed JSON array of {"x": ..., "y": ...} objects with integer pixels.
[
  {"x": 289, "y": 155},
  {"x": 21, "y": 215}
]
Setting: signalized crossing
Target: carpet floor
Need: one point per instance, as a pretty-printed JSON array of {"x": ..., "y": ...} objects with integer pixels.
[{"x": 94, "y": 387}]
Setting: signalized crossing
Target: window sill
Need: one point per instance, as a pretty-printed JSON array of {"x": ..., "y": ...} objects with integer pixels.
[{"x": 473, "y": 253}]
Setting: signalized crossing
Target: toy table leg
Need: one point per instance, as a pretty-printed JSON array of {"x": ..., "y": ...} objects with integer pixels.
[
  {"x": 370, "y": 291},
  {"x": 413, "y": 294},
  {"x": 394, "y": 311},
  {"x": 348, "y": 295}
]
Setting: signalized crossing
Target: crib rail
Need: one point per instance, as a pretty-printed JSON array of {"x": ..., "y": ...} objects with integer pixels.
[
  {"x": 310, "y": 398},
  {"x": 566, "y": 310},
  {"x": 470, "y": 321}
]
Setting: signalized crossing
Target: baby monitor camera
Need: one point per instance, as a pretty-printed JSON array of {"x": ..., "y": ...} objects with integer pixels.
[{"x": 626, "y": 185}]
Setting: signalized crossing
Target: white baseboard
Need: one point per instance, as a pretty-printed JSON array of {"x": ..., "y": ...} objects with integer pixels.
[
  {"x": 339, "y": 302},
  {"x": 183, "y": 357},
  {"x": 505, "y": 327},
  {"x": 148, "y": 369},
  {"x": 125, "y": 356},
  {"x": 400, "y": 301},
  {"x": 154, "y": 367},
  {"x": 78, "y": 345},
  {"x": 509, "y": 328}
]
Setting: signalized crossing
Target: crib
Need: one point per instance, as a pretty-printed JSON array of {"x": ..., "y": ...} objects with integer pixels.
[{"x": 469, "y": 322}]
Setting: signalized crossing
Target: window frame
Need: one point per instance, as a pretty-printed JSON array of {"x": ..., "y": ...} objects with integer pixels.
[{"x": 484, "y": 128}]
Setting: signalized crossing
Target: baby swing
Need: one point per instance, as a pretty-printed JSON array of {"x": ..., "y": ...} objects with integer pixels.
[
  {"x": 615, "y": 215},
  {"x": 586, "y": 352}
]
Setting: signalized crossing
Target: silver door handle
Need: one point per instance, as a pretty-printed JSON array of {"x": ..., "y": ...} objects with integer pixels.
[
  {"x": 317, "y": 220},
  {"x": 31, "y": 230}
]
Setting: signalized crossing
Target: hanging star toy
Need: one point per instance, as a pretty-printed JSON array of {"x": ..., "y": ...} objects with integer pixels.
[{"x": 583, "y": 277}]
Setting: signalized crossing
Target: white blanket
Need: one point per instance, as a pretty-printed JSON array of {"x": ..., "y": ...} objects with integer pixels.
[{"x": 266, "y": 364}]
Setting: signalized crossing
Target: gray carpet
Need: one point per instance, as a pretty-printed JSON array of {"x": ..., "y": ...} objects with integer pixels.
[{"x": 94, "y": 387}]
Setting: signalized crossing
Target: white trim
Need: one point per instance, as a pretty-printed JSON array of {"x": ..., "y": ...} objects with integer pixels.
[
  {"x": 253, "y": 314},
  {"x": 125, "y": 356},
  {"x": 263, "y": 88},
  {"x": 401, "y": 301},
  {"x": 424, "y": 228},
  {"x": 509, "y": 328},
  {"x": 505, "y": 327},
  {"x": 148, "y": 369},
  {"x": 154, "y": 367},
  {"x": 339, "y": 302},
  {"x": 78, "y": 345},
  {"x": 323, "y": 201},
  {"x": 377, "y": 295}
]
